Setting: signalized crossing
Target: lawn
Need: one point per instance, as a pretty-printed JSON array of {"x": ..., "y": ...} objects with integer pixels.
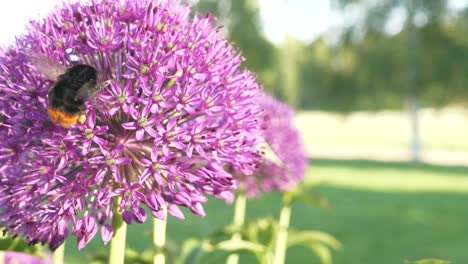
[
  {"x": 381, "y": 212},
  {"x": 442, "y": 130}
]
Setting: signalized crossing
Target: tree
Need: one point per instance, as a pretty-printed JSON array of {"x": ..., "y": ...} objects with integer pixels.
[
  {"x": 242, "y": 26},
  {"x": 419, "y": 14}
]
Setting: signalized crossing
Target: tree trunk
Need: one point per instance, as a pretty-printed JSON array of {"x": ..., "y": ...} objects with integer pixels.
[
  {"x": 415, "y": 144},
  {"x": 289, "y": 70},
  {"x": 413, "y": 100}
]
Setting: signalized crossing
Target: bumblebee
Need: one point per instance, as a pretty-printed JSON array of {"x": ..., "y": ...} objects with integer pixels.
[
  {"x": 68, "y": 95},
  {"x": 72, "y": 87}
]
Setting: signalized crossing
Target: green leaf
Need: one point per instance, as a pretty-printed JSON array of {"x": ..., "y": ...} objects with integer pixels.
[
  {"x": 222, "y": 234},
  {"x": 251, "y": 233},
  {"x": 428, "y": 261},
  {"x": 305, "y": 195},
  {"x": 318, "y": 242},
  {"x": 321, "y": 251},
  {"x": 314, "y": 200},
  {"x": 232, "y": 245},
  {"x": 308, "y": 237},
  {"x": 261, "y": 231},
  {"x": 214, "y": 257},
  {"x": 189, "y": 246}
]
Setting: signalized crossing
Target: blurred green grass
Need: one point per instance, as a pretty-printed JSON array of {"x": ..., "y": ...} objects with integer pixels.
[
  {"x": 381, "y": 212},
  {"x": 443, "y": 129}
]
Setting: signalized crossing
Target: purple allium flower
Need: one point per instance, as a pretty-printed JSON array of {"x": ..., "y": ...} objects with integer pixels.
[
  {"x": 172, "y": 109},
  {"x": 283, "y": 162},
  {"x": 11, "y": 257}
]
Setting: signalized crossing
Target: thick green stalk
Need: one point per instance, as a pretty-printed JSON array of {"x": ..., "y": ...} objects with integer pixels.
[
  {"x": 238, "y": 222},
  {"x": 59, "y": 254},
  {"x": 117, "y": 246},
  {"x": 282, "y": 239},
  {"x": 159, "y": 239}
]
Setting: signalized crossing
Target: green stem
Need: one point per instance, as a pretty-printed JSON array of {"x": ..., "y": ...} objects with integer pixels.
[
  {"x": 159, "y": 239},
  {"x": 59, "y": 254},
  {"x": 238, "y": 222},
  {"x": 282, "y": 239},
  {"x": 117, "y": 246},
  {"x": 13, "y": 244}
]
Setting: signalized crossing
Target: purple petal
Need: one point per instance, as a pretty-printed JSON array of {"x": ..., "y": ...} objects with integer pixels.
[
  {"x": 91, "y": 118},
  {"x": 97, "y": 160},
  {"x": 197, "y": 209},
  {"x": 86, "y": 146},
  {"x": 130, "y": 126},
  {"x": 116, "y": 173},
  {"x": 151, "y": 132},
  {"x": 175, "y": 211},
  {"x": 85, "y": 229},
  {"x": 100, "y": 175},
  {"x": 127, "y": 217},
  {"x": 139, "y": 215},
  {"x": 154, "y": 154},
  {"x": 139, "y": 134},
  {"x": 178, "y": 145},
  {"x": 106, "y": 233},
  {"x": 123, "y": 161},
  {"x": 159, "y": 214},
  {"x": 144, "y": 175}
]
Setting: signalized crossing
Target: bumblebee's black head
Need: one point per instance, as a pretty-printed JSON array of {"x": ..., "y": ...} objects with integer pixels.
[{"x": 78, "y": 75}]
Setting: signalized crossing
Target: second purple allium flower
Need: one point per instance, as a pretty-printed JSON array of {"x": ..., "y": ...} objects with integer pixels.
[
  {"x": 284, "y": 161},
  {"x": 173, "y": 108}
]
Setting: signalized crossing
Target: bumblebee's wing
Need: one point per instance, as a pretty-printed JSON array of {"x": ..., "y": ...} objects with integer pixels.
[
  {"x": 86, "y": 90},
  {"x": 50, "y": 69},
  {"x": 270, "y": 155}
]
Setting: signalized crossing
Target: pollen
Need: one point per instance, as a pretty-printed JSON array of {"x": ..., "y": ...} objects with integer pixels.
[{"x": 82, "y": 119}]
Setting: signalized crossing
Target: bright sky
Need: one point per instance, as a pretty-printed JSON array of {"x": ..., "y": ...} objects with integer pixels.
[
  {"x": 303, "y": 19},
  {"x": 307, "y": 19},
  {"x": 15, "y": 14}
]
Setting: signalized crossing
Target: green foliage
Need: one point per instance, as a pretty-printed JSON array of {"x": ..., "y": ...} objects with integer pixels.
[
  {"x": 368, "y": 69},
  {"x": 318, "y": 242},
  {"x": 241, "y": 21},
  {"x": 134, "y": 256},
  {"x": 20, "y": 245},
  {"x": 382, "y": 213},
  {"x": 307, "y": 196},
  {"x": 428, "y": 261},
  {"x": 259, "y": 236},
  {"x": 258, "y": 239},
  {"x": 372, "y": 74},
  {"x": 287, "y": 83},
  {"x": 202, "y": 251},
  {"x": 131, "y": 256}
]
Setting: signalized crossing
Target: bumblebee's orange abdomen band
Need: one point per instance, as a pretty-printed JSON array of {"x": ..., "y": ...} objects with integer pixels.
[{"x": 61, "y": 118}]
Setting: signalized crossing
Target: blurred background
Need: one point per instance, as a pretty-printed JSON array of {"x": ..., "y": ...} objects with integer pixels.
[
  {"x": 381, "y": 92},
  {"x": 371, "y": 79}
]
